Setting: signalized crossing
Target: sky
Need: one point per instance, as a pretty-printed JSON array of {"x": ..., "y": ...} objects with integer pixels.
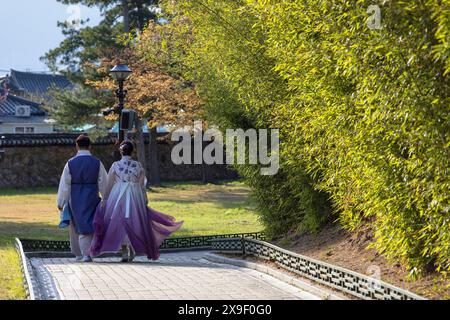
[{"x": 29, "y": 30}]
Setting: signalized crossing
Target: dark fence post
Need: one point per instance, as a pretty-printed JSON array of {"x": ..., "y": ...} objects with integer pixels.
[{"x": 155, "y": 179}]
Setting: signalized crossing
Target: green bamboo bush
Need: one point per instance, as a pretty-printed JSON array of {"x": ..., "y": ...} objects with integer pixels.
[{"x": 362, "y": 105}]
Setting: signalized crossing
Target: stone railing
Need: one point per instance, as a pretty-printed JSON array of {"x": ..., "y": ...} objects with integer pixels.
[{"x": 342, "y": 279}]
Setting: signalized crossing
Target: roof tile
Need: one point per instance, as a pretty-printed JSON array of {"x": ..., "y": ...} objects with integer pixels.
[{"x": 37, "y": 83}]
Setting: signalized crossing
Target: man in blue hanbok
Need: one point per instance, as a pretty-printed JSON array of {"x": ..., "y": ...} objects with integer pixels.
[{"x": 83, "y": 178}]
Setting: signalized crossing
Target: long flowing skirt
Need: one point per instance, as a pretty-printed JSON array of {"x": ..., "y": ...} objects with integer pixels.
[{"x": 126, "y": 217}]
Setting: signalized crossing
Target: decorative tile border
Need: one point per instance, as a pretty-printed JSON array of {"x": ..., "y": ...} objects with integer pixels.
[
  {"x": 205, "y": 241},
  {"x": 345, "y": 280},
  {"x": 305, "y": 285},
  {"x": 46, "y": 246},
  {"x": 45, "y": 284}
]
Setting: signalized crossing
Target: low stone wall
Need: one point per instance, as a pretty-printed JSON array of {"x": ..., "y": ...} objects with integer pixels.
[
  {"x": 171, "y": 172},
  {"x": 26, "y": 165}
]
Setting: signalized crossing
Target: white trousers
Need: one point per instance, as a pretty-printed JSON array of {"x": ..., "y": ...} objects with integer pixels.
[{"x": 80, "y": 244}]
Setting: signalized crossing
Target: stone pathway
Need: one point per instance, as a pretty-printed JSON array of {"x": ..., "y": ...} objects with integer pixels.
[{"x": 178, "y": 276}]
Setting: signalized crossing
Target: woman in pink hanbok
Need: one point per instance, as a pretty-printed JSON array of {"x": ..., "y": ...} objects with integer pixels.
[{"x": 123, "y": 221}]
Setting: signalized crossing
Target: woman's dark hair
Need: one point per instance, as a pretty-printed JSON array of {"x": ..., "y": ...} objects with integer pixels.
[
  {"x": 83, "y": 142},
  {"x": 126, "y": 148}
]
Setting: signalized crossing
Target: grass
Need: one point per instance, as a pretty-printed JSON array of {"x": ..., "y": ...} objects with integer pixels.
[{"x": 205, "y": 209}]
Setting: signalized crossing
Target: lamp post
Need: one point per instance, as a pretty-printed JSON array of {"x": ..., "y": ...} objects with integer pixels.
[{"x": 120, "y": 73}]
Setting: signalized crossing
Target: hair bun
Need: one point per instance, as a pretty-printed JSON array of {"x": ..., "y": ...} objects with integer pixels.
[{"x": 126, "y": 148}]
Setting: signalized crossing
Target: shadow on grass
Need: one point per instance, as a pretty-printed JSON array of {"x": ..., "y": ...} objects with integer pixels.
[
  {"x": 186, "y": 184},
  {"x": 225, "y": 203},
  {"x": 27, "y": 191},
  {"x": 29, "y": 230},
  {"x": 220, "y": 198}
]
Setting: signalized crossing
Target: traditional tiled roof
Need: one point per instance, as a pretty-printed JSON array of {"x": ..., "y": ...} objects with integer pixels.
[
  {"x": 8, "y": 107},
  {"x": 60, "y": 139},
  {"x": 36, "y": 83},
  {"x": 53, "y": 139}
]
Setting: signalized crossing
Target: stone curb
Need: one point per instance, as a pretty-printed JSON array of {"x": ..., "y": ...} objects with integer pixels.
[
  {"x": 29, "y": 282},
  {"x": 301, "y": 284}
]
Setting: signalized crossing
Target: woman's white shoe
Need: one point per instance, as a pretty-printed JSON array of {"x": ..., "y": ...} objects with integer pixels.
[{"x": 86, "y": 259}]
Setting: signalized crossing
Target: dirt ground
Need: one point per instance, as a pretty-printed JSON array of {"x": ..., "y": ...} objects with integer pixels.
[{"x": 338, "y": 247}]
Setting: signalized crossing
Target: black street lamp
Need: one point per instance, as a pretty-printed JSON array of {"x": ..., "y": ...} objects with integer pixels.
[{"x": 120, "y": 73}]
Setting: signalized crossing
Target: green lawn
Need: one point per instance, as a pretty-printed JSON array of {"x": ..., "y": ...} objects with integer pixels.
[{"x": 206, "y": 209}]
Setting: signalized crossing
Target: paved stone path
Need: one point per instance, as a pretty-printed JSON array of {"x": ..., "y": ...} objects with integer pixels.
[{"x": 179, "y": 276}]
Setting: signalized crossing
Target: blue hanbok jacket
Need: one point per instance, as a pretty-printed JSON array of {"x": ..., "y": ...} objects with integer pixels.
[{"x": 84, "y": 194}]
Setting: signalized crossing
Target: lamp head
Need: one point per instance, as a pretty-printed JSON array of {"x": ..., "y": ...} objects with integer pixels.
[{"x": 120, "y": 72}]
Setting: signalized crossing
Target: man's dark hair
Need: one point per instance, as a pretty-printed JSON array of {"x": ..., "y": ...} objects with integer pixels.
[
  {"x": 83, "y": 142},
  {"x": 127, "y": 148}
]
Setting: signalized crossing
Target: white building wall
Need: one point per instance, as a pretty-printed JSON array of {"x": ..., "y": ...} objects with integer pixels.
[{"x": 9, "y": 128}]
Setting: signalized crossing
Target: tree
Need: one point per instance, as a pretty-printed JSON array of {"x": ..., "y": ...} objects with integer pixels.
[
  {"x": 90, "y": 44},
  {"x": 78, "y": 107},
  {"x": 83, "y": 48}
]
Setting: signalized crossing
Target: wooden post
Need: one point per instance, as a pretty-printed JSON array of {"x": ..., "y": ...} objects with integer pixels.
[
  {"x": 155, "y": 179},
  {"x": 140, "y": 143},
  {"x": 207, "y": 176},
  {"x": 206, "y": 172}
]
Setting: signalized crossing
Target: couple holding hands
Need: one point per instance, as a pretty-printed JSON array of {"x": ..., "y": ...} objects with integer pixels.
[{"x": 119, "y": 221}]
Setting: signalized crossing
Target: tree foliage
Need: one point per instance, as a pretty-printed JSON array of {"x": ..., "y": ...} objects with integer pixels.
[
  {"x": 78, "y": 107},
  {"x": 86, "y": 44},
  {"x": 364, "y": 113},
  {"x": 84, "y": 47},
  {"x": 152, "y": 93}
]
